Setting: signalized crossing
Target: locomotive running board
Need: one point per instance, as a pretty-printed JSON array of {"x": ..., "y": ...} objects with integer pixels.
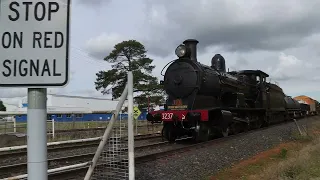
[
  {"x": 244, "y": 109},
  {"x": 241, "y": 120}
]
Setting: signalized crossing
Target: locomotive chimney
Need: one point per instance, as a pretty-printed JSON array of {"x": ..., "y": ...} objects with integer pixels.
[{"x": 192, "y": 45}]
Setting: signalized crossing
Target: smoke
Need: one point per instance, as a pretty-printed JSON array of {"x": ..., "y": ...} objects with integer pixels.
[{"x": 93, "y": 3}]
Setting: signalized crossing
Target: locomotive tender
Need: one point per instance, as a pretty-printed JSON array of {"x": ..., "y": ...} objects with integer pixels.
[{"x": 206, "y": 101}]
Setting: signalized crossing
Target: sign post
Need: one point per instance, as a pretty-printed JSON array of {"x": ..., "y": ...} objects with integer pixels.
[
  {"x": 34, "y": 53},
  {"x": 136, "y": 114},
  {"x": 130, "y": 127}
]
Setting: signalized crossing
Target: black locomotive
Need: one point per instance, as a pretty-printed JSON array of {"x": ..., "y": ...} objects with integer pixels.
[{"x": 206, "y": 101}]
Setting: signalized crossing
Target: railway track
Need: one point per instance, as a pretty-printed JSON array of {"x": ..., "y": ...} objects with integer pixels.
[
  {"x": 79, "y": 172},
  {"x": 21, "y": 168},
  {"x": 141, "y": 158},
  {"x": 166, "y": 154},
  {"x": 94, "y": 142}
]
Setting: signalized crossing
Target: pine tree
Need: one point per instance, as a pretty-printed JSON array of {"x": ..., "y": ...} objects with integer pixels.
[
  {"x": 2, "y": 106},
  {"x": 130, "y": 55}
]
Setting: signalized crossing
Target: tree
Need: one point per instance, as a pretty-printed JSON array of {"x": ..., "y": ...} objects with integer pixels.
[
  {"x": 148, "y": 99},
  {"x": 2, "y": 106},
  {"x": 130, "y": 55}
]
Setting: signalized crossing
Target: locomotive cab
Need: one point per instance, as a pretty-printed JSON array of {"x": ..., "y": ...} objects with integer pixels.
[{"x": 256, "y": 91}]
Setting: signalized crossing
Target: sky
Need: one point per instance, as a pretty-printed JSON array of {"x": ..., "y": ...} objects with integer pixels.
[{"x": 281, "y": 38}]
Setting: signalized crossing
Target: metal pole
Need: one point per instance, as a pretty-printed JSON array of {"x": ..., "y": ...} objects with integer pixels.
[
  {"x": 106, "y": 134},
  {"x": 148, "y": 102},
  {"x": 53, "y": 129},
  {"x": 295, "y": 121},
  {"x": 148, "y": 110},
  {"x": 136, "y": 121},
  {"x": 37, "y": 134},
  {"x": 14, "y": 124},
  {"x": 120, "y": 119},
  {"x": 130, "y": 127}
]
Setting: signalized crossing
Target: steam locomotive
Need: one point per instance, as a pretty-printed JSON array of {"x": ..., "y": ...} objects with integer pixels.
[{"x": 206, "y": 101}]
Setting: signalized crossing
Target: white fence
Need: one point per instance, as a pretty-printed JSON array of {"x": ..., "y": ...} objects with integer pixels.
[
  {"x": 58, "y": 130},
  {"x": 52, "y": 128},
  {"x": 8, "y": 126}
]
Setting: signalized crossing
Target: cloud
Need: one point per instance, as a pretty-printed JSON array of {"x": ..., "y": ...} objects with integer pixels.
[
  {"x": 240, "y": 63},
  {"x": 13, "y": 92},
  {"x": 281, "y": 38},
  {"x": 88, "y": 92},
  {"x": 100, "y": 46},
  {"x": 21, "y": 92},
  {"x": 246, "y": 25},
  {"x": 93, "y": 3},
  {"x": 290, "y": 67}
]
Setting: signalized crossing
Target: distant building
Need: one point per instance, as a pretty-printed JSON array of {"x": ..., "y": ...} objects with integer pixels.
[
  {"x": 314, "y": 104},
  {"x": 64, "y": 103},
  {"x": 305, "y": 99},
  {"x": 69, "y": 108}
]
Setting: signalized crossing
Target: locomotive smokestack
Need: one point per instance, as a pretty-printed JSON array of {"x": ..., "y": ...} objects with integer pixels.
[{"x": 192, "y": 44}]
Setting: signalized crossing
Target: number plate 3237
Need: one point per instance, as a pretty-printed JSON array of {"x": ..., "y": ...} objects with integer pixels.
[{"x": 167, "y": 116}]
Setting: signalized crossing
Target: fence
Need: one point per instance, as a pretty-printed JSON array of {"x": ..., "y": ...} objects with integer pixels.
[
  {"x": 15, "y": 134},
  {"x": 9, "y": 127},
  {"x": 82, "y": 129},
  {"x": 110, "y": 147},
  {"x": 114, "y": 153},
  {"x": 67, "y": 130}
]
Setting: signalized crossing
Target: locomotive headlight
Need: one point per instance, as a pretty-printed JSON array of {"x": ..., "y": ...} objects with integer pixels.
[{"x": 181, "y": 51}]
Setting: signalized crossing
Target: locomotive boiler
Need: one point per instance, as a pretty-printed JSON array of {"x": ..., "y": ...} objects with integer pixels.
[
  {"x": 207, "y": 101},
  {"x": 187, "y": 82}
]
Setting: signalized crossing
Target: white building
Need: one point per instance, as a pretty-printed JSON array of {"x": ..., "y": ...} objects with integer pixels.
[{"x": 64, "y": 103}]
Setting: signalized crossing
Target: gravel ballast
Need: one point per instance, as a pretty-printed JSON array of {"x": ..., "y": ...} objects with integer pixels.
[{"x": 205, "y": 162}]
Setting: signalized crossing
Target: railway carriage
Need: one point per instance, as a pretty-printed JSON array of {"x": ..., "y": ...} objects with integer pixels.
[{"x": 206, "y": 101}]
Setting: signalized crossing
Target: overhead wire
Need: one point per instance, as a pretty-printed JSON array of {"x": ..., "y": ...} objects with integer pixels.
[{"x": 84, "y": 54}]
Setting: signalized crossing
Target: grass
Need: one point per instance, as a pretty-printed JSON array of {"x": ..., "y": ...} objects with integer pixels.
[
  {"x": 299, "y": 159},
  {"x": 301, "y": 163}
]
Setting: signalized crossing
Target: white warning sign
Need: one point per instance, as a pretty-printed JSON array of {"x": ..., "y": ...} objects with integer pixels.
[{"x": 34, "y": 43}]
